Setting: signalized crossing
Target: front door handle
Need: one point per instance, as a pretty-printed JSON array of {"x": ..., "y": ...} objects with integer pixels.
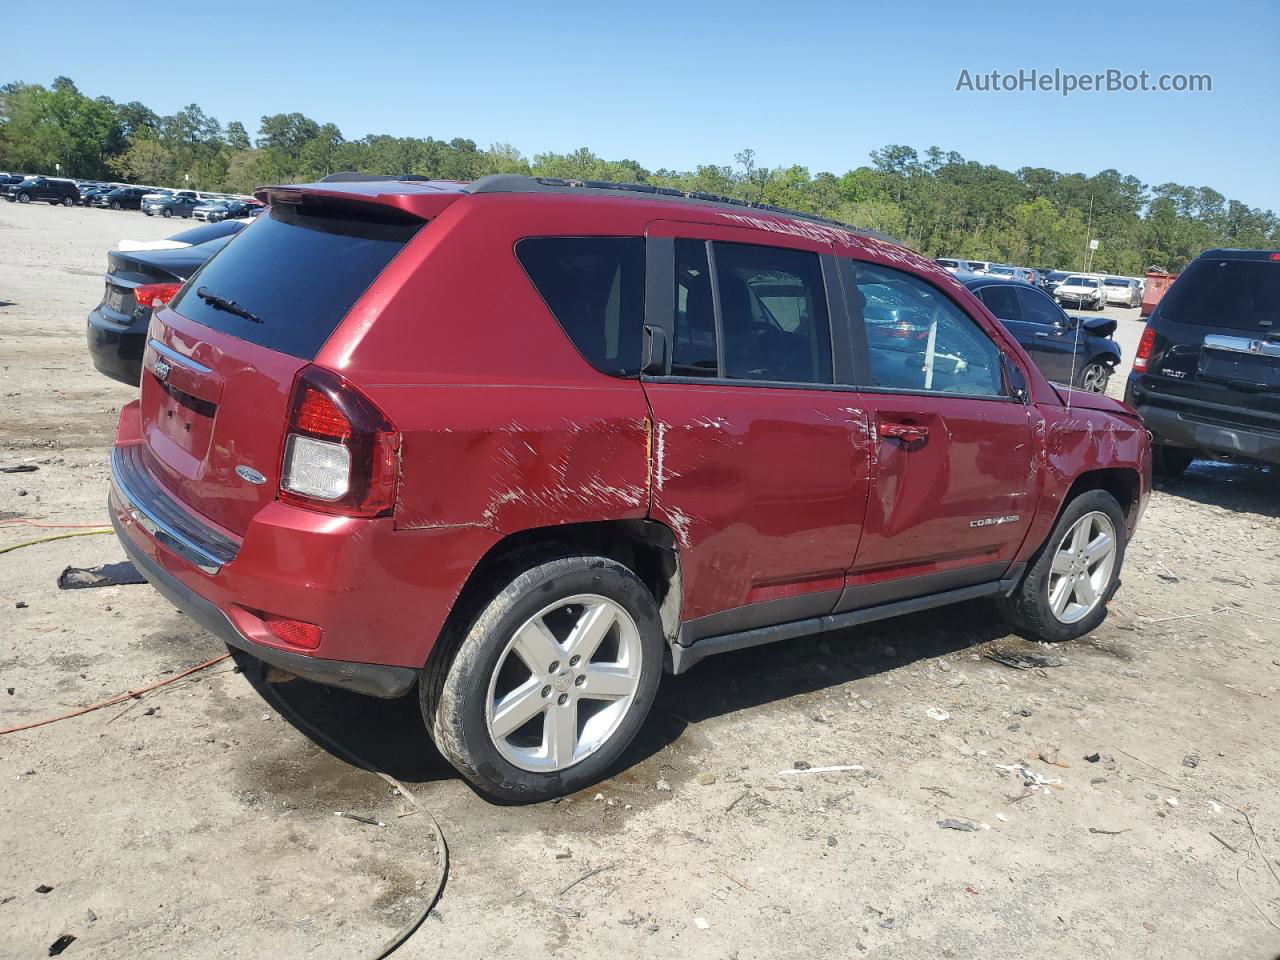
[{"x": 906, "y": 432}]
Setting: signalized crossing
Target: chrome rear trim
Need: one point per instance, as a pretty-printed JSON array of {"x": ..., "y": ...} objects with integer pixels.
[{"x": 141, "y": 498}]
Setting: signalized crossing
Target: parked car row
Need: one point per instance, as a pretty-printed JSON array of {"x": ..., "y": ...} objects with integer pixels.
[
  {"x": 153, "y": 201},
  {"x": 1086, "y": 290}
]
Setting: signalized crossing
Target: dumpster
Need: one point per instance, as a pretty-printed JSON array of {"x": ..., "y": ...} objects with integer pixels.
[{"x": 1156, "y": 283}]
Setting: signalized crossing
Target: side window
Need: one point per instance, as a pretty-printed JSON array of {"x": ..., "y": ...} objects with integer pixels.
[
  {"x": 595, "y": 288},
  {"x": 919, "y": 340},
  {"x": 1002, "y": 301},
  {"x": 773, "y": 314},
  {"x": 1037, "y": 308},
  {"x": 694, "y": 352}
]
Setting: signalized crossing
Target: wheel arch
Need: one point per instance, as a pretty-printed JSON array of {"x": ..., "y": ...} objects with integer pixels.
[
  {"x": 1123, "y": 483},
  {"x": 646, "y": 547}
]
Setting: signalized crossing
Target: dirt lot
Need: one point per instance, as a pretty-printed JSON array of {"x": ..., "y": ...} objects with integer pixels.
[{"x": 199, "y": 823}]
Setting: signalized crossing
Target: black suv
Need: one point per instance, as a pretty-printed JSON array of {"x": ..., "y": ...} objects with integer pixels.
[
  {"x": 121, "y": 198},
  {"x": 45, "y": 188},
  {"x": 1206, "y": 377}
]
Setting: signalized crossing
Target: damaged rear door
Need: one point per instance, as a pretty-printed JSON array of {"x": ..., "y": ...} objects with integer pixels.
[{"x": 760, "y": 460}]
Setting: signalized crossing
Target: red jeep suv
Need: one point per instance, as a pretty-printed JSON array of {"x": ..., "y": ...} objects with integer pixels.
[{"x": 524, "y": 443}]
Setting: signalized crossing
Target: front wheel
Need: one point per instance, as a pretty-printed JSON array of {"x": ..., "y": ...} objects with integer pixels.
[
  {"x": 166, "y": 213},
  {"x": 115, "y": 205},
  {"x": 24, "y": 198},
  {"x": 1094, "y": 377},
  {"x": 1065, "y": 591},
  {"x": 551, "y": 681}
]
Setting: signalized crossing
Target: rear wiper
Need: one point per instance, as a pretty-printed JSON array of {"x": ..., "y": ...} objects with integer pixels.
[{"x": 222, "y": 303}]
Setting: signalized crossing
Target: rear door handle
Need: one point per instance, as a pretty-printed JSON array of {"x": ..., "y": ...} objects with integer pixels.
[{"x": 906, "y": 432}]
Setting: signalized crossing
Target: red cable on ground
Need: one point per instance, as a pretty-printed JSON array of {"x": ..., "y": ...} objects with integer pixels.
[{"x": 119, "y": 698}]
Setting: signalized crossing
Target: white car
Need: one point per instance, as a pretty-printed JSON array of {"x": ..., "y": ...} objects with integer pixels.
[
  {"x": 957, "y": 265},
  {"x": 1081, "y": 292},
  {"x": 1125, "y": 291}
]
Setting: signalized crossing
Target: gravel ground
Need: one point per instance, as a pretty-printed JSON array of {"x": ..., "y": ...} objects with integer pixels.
[{"x": 199, "y": 822}]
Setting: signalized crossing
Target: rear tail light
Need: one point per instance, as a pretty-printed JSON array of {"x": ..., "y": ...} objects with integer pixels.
[
  {"x": 296, "y": 633},
  {"x": 341, "y": 454},
  {"x": 1141, "y": 358},
  {"x": 155, "y": 294}
]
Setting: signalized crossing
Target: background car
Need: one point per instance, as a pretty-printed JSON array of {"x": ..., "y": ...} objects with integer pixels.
[
  {"x": 1082, "y": 292},
  {"x": 1021, "y": 274},
  {"x": 1122, "y": 290},
  {"x": 48, "y": 189},
  {"x": 88, "y": 193},
  {"x": 121, "y": 198},
  {"x": 135, "y": 281},
  {"x": 8, "y": 181},
  {"x": 222, "y": 210},
  {"x": 1206, "y": 376},
  {"x": 1053, "y": 279},
  {"x": 178, "y": 205},
  {"x": 1074, "y": 351}
]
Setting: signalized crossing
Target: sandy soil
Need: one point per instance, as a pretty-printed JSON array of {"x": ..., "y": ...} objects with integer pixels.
[{"x": 199, "y": 823}]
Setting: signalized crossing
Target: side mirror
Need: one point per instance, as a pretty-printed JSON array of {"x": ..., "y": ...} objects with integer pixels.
[{"x": 653, "y": 351}]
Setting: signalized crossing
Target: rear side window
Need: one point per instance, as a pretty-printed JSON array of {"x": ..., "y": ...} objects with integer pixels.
[
  {"x": 595, "y": 288},
  {"x": 773, "y": 314},
  {"x": 298, "y": 271},
  {"x": 1002, "y": 301},
  {"x": 1237, "y": 294}
]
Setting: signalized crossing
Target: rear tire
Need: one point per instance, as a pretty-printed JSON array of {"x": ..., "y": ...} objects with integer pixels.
[
  {"x": 115, "y": 205},
  {"x": 1167, "y": 461},
  {"x": 1065, "y": 591},
  {"x": 68, "y": 202},
  {"x": 166, "y": 213},
  {"x": 522, "y": 730}
]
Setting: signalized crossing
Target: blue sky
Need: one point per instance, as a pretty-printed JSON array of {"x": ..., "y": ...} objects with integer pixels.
[{"x": 819, "y": 84}]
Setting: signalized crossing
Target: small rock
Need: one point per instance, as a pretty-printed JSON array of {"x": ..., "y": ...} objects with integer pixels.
[
  {"x": 1049, "y": 755},
  {"x": 1191, "y": 760},
  {"x": 1014, "y": 727},
  {"x": 801, "y": 765},
  {"x": 962, "y": 825},
  {"x": 64, "y": 941},
  {"x": 706, "y": 779},
  {"x": 266, "y": 716},
  {"x": 1093, "y": 757},
  {"x": 10, "y": 691},
  {"x": 832, "y": 841},
  {"x": 90, "y": 916},
  {"x": 701, "y": 924},
  {"x": 150, "y": 711},
  {"x": 44, "y": 888},
  {"x": 598, "y": 796},
  {"x": 865, "y": 704},
  {"x": 944, "y": 666},
  {"x": 1148, "y": 926},
  {"x": 1002, "y": 818},
  {"x": 938, "y": 714},
  {"x": 968, "y": 751},
  {"x": 1171, "y": 801},
  {"x": 28, "y": 773},
  {"x": 563, "y": 855},
  {"x": 20, "y": 605},
  {"x": 652, "y": 928},
  {"x": 1025, "y": 712},
  {"x": 663, "y": 785}
]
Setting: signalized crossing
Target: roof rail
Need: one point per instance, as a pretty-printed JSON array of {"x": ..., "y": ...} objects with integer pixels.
[{"x": 517, "y": 183}]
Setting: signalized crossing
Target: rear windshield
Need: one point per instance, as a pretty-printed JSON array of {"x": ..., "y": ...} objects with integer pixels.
[
  {"x": 210, "y": 231},
  {"x": 1226, "y": 293},
  {"x": 298, "y": 271},
  {"x": 1116, "y": 282}
]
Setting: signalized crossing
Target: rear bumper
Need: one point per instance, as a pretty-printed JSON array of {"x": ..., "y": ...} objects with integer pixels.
[
  {"x": 372, "y": 679},
  {"x": 116, "y": 349},
  {"x": 380, "y": 594},
  {"x": 1195, "y": 431}
]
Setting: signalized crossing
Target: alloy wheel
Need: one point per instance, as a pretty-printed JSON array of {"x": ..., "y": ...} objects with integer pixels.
[
  {"x": 1082, "y": 566},
  {"x": 1094, "y": 378},
  {"x": 564, "y": 683}
]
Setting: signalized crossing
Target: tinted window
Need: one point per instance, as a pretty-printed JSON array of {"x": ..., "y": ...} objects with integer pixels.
[
  {"x": 919, "y": 340},
  {"x": 1002, "y": 301},
  {"x": 1038, "y": 308},
  {"x": 297, "y": 270},
  {"x": 694, "y": 352},
  {"x": 1225, "y": 293},
  {"x": 595, "y": 288},
  {"x": 773, "y": 314}
]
